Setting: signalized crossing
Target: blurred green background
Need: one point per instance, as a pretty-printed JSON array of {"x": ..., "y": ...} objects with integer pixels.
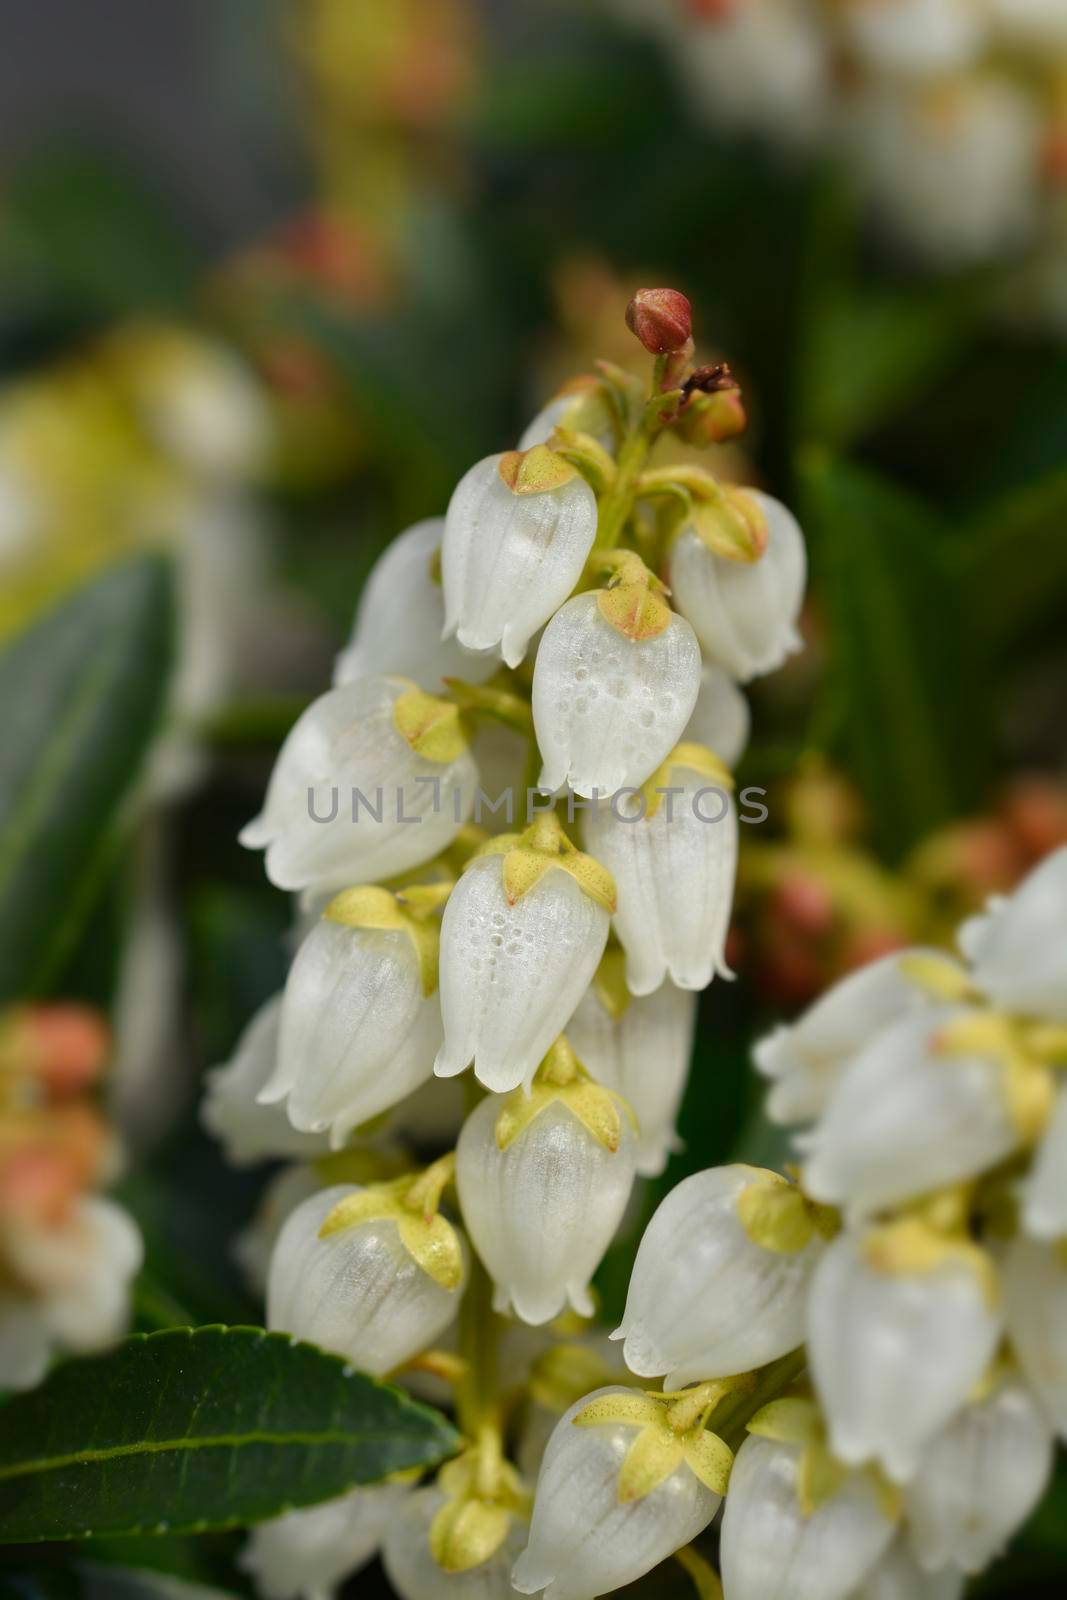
[{"x": 273, "y": 273}]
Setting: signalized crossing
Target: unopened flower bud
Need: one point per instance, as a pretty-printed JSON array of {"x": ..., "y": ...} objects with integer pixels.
[
  {"x": 518, "y": 530},
  {"x": 714, "y": 410},
  {"x": 662, "y": 319},
  {"x": 743, "y": 612},
  {"x": 773, "y": 1543},
  {"x": 588, "y": 1538},
  {"x": 231, "y": 1110},
  {"x": 358, "y": 1291},
  {"x": 641, "y": 1049},
  {"x": 543, "y": 1183},
  {"x": 673, "y": 856},
  {"x": 902, "y": 1323},
  {"x": 361, "y": 765},
  {"x": 65, "y": 1044},
  {"x": 720, "y": 1279},
  {"x": 307, "y": 1555},
  {"x": 979, "y": 1480},
  {"x": 521, "y": 937},
  {"x": 415, "y": 1574},
  {"x": 1018, "y": 948},
  {"x": 611, "y": 693},
  {"x": 401, "y": 616},
  {"x": 358, "y": 1029}
]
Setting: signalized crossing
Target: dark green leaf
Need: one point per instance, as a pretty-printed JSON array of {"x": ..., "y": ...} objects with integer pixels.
[
  {"x": 190, "y": 1430},
  {"x": 870, "y": 354},
  {"x": 87, "y": 1580},
  {"x": 916, "y": 723},
  {"x": 1017, "y": 554},
  {"x": 82, "y": 692}
]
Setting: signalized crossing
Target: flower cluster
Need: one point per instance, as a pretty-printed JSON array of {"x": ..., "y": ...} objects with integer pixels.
[
  {"x": 881, "y": 1337},
  {"x": 951, "y": 113},
  {"x": 66, "y": 1255},
  {"x": 577, "y": 623}
]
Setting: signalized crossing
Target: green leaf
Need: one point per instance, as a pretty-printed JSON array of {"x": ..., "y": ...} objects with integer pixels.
[
  {"x": 907, "y": 684},
  {"x": 88, "y": 1580},
  {"x": 82, "y": 691},
  {"x": 1016, "y": 550},
  {"x": 189, "y": 1430}
]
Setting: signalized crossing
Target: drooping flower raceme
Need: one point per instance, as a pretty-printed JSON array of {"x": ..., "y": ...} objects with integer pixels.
[
  {"x": 431, "y": 942},
  {"x": 883, "y": 1332}
]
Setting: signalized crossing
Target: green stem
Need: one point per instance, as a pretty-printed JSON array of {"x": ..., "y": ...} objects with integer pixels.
[
  {"x": 731, "y": 1417},
  {"x": 617, "y": 504},
  {"x": 478, "y": 1395}
]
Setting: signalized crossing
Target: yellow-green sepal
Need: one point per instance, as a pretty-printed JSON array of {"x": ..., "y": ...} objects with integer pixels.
[
  {"x": 562, "y": 1080},
  {"x": 529, "y": 855},
  {"x": 432, "y": 726},
  {"x": 536, "y": 471},
  {"x": 406, "y": 911},
  {"x": 410, "y": 1202},
  {"x": 779, "y": 1217}
]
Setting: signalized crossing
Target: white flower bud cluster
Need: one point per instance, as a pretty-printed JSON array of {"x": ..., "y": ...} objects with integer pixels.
[
  {"x": 565, "y": 977},
  {"x": 950, "y": 113},
  {"x": 881, "y": 1340}
]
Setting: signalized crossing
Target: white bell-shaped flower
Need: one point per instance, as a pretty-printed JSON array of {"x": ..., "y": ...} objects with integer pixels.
[
  {"x": 609, "y": 705},
  {"x": 721, "y": 718},
  {"x": 247, "y": 1130},
  {"x": 585, "y": 1539},
  {"x": 898, "y": 1576},
  {"x": 374, "y": 780},
  {"x": 744, "y": 614},
  {"x": 641, "y": 1049},
  {"x": 720, "y": 1278},
  {"x": 358, "y": 1030},
  {"x": 901, "y": 1326},
  {"x": 543, "y": 1183},
  {"x": 307, "y": 1555},
  {"x": 518, "y": 530},
  {"x": 1035, "y": 1294},
  {"x": 254, "y": 1245},
  {"x": 401, "y": 613},
  {"x": 673, "y": 856},
  {"x": 1018, "y": 947},
  {"x": 359, "y": 1292},
  {"x": 1044, "y": 1189},
  {"x": 521, "y": 937},
  {"x": 582, "y": 406},
  {"x": 415, "y": 1574},
  {"x": 772, "y": 1548},
  {"x": 912, "y": 1112},
  {"x": 71, "y": 1288},
  {"x": 805, "y": 1059},
  {"x": 979, "y": 1480}
]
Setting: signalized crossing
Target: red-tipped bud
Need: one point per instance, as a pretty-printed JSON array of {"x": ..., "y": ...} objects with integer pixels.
[{"x": 661, "y": 318}]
